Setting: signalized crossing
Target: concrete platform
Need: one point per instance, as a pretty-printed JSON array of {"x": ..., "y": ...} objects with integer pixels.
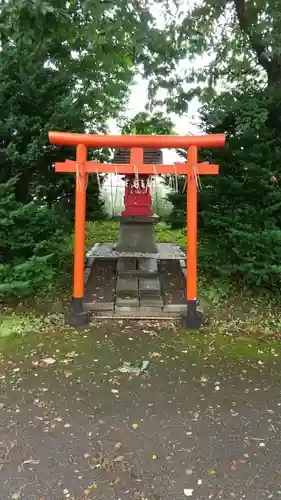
[
  {"x": 166, "y": 251},
  {"x": 138, "y": 293}
]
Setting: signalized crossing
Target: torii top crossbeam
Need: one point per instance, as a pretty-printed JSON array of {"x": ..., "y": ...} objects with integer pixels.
[{"x": 136, "y": 141}]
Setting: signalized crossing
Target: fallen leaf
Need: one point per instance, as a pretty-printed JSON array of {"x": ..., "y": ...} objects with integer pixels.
[
  {"x": 118, "y": 445},
  {"x": 48, "y": 361},
  {"x": 134, "y": 426},
  {"x": 31, "y": 462},
  {"x": 129, "y": 368}
]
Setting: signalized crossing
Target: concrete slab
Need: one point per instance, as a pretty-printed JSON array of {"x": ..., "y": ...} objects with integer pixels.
[
  {"x": 184, "y": 271},
  {"x": 90, "y": 261},
  {"x": 126, "y": 265},
  {"x": 139, "y": 312},
  {"x": 149, "y": 286},
  {"x": 127, "y": 286},
  {"x": 166, "y": 251},
  {"x": 147, "y": 311},
  {"x": 127, "y": 302},
  {"x": 99, "y": 306},
  {"x": 87, "y": 274},
  {"x": 148, "y": 266},
  {"x": 151, "y": 301},
  {"x": 174, "y": 308},
  {"x": 92, "y": 250}
]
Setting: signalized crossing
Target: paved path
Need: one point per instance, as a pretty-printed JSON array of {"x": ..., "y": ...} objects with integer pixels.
[{"x": 79, "y": 429}]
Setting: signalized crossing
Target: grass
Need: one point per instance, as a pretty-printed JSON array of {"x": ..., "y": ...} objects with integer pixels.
[
  {"x": 17, "y": 324},
  {"x": 107, "y": 231},
  {"x": 239, "y": 325}
]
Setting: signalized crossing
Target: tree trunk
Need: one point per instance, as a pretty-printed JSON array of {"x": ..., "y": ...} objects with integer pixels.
[{"x": 271, "y": 64}]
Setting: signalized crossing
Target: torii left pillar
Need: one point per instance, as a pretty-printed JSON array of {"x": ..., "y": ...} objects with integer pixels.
[{"x": 77, "y": 315}]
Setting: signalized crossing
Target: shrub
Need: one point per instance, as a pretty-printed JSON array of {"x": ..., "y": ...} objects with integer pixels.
[{"x": 30, "y": 241}]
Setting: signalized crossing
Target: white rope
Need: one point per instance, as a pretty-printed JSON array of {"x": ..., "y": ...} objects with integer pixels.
[
  {"x": 176, "y": 180},
  {"x": 98, "y": 178},
  {"x": 113, "y": 200},
  {"x": 136, "y": 184},
  {"x": 78, "y": 175},
  {"x": 197, "y": 177}
]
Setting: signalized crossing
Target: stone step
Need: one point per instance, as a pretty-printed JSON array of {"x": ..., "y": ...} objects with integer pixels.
[
  {"x": 126, "y": 265},
  {"x": 175, "y": 308},
  {"x": 127, "y": 302},
  {"x": 151, "y": 301},
  {"x": 149, "y": 286},
  {"x": 142, "y": 268},
  {"x": 139, "y": 312},
  {"x": 127, "y": 287},
  {"x": 99, "y": 306},
  {"x": 147, "y": 266}
]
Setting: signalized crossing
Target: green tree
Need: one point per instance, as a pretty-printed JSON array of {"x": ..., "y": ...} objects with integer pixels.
[
  {"x": 145, "y": 123},
  {"x": 239, "y": 211},
  {"x": 226, "y": 42},
  {"x": 240, "y": 218},
  {"x": 65, "y": 65},
  {"x": 30, "y": 248}
]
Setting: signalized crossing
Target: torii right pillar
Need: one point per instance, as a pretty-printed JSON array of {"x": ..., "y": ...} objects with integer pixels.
[{"x": 193, "y": 317}]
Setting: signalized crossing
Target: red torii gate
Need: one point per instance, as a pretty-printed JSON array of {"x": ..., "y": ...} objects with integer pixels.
[{"x": 136, "y": 143}]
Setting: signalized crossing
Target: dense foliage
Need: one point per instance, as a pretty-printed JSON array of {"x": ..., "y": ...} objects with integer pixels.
[
  {"x": 68, "y": 65},
  {"x": 240, "y": 217},
  {"x": 148, "y": 124},
  {"x": 65, "y": 65},
  {"x": 239, "y": 86},
  {"x": 27, "y": 252}
]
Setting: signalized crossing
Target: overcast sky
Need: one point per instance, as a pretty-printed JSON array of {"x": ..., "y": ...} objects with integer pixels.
[{"x": 187, "y": 124}]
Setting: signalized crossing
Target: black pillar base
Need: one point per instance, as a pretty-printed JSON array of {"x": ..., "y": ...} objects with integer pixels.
[
  {"x": 77, "y": 316},
  {"x": 193, "y": 318}
]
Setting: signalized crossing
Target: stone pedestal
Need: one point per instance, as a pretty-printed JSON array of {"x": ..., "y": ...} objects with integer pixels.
[{"x": 137, "y": 234}]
